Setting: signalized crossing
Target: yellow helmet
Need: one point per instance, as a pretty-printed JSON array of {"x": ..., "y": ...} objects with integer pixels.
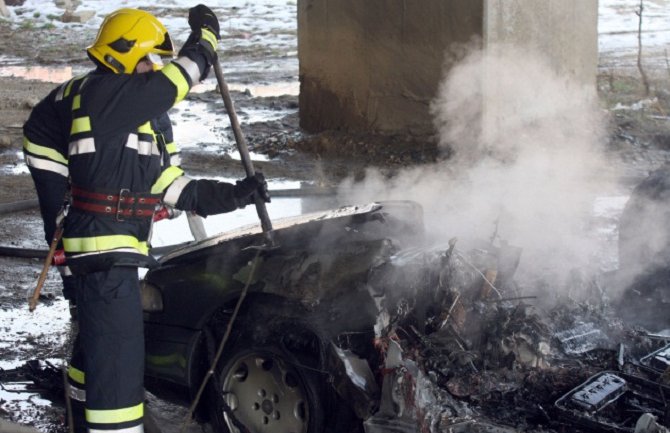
[{"x": 126, "y": 36}]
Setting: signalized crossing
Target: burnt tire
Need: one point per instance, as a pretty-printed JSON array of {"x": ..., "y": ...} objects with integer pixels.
[{"x": 265, "y": 384}]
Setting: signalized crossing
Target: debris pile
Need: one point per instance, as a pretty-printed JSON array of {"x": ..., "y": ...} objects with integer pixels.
[{"x": 464, "y": 351}]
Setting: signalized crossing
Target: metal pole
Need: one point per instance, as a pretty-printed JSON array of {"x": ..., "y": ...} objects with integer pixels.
[{"x": 266, "y": 224}]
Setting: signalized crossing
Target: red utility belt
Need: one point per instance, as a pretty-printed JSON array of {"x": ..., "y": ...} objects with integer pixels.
[{"x": 124, "y": 204}]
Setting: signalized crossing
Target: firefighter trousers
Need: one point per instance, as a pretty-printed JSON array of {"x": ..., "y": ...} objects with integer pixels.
[{"x": 107, "y": 367}]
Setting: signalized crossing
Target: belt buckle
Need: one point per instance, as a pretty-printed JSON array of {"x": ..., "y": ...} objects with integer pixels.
[{"x": 119, "y": 210}]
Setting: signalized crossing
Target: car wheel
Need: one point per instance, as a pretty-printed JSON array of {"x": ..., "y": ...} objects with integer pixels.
[
  {"x": 266, "y": 392},
  {"x": 265, "y": 383}
]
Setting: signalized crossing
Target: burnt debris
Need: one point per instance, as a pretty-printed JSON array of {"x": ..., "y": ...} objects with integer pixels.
[{"x": 465, "y": 351}]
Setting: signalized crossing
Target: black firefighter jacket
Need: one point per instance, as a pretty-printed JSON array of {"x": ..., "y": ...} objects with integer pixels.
[{"x": 106, "y": 137}]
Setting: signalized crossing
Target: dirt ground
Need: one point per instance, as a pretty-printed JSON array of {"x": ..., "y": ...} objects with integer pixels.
[{"x": 638, "y": 140}]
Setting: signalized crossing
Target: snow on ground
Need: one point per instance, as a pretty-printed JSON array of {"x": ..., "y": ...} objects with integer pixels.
[
  {"x": 245, "y": 14},
  {"x": 618, "y": 25},
  {"x": 243, "y": 23},
  {"x": 618, "y": 32}
]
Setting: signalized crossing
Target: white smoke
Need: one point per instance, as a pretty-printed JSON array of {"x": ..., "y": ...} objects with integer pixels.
[{"x": 526, "y": 159}]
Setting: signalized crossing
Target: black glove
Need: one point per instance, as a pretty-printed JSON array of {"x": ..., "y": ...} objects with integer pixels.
[
  {"x": 194, "y": 47},
  {"x": 244, "y": 189},
  {"x": 202, "y": 17}
]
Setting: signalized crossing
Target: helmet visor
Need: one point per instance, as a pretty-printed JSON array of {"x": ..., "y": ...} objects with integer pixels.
[{"x": 166, "y": 47}]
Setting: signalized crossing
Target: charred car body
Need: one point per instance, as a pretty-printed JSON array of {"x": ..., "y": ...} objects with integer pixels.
[
  {"x": 351, "y": 323},
  {"x": 305, "y": 325}
]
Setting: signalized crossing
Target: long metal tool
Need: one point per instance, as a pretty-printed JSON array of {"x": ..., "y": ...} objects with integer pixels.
[{"x": 266, "y": 224}]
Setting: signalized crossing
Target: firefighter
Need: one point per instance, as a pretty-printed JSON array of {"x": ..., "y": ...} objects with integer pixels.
[{"x": 101, "y": 140}]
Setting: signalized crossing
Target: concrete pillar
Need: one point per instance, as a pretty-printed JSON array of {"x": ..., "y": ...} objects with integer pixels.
[
  {"x": 565, "y": 31},
  {"x": 375, "y": 65},
  {"x": 4, "y": 12},
  {"x": 562, "y": 33}
]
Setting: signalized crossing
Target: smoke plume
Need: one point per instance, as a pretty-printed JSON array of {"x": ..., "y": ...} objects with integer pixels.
[{"x": 525, "y": 160}]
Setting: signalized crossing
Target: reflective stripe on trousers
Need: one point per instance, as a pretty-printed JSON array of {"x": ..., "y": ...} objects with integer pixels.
[{"x": 110, "y": 348}]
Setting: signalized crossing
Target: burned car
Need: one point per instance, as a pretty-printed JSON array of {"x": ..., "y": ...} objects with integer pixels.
[
  {"x": 352, "y": 321},
  {"x": 304, "y": 328}
]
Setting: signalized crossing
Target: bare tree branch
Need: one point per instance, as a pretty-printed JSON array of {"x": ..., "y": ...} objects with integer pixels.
[{"x": 643, "y": 75}]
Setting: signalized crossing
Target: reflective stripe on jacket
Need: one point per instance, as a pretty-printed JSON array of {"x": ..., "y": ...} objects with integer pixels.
[
  {"x": 45, "y": 149},
  {"x": 101, "y": 135}
]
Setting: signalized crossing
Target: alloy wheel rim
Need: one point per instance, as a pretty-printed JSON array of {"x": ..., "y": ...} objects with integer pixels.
[{"x": 266, "y": 395}]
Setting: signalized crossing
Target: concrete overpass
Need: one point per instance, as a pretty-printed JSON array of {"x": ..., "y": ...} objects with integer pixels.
[{"x": 375, "y": 65}]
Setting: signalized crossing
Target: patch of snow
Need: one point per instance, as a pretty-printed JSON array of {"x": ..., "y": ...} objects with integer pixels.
[
  {"x": 637, "y": 106},
  {"x": 46, "y": 323},
  {"x": 618, "y": 25}
]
